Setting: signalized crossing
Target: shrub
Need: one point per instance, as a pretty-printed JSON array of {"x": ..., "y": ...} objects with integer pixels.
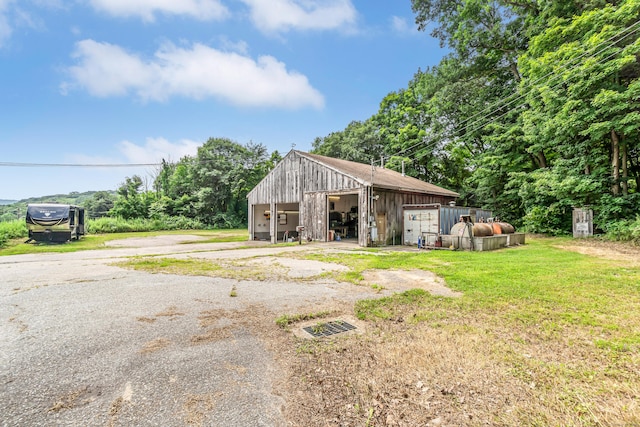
[
  {"x": 624, "y": 230},
  {"x": 554, "y": 220},
  {"x": 162, "y": 222},
  {"x": 12, "y": 230}
]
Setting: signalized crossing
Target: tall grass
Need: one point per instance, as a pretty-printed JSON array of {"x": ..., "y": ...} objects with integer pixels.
[
  {"x": 119, "y": 225},
  {"x": 12, "y": 230}
]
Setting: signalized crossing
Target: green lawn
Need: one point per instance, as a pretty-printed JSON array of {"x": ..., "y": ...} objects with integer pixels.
[{"x": 97, "y": 241}]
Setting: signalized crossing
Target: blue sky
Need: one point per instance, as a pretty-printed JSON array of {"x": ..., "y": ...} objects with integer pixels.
[{"x": 121, "y": 81}]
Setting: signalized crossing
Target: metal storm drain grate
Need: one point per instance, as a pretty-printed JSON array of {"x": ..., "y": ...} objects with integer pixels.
[{"x": 329, "y": 328}]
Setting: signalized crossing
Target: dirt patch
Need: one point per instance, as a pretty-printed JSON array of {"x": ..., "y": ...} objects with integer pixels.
[
  {"x": 170, "y": 312},
  {"x": 297, "y": 268},
  {"x": 197, "y": 406},
  {"x": 404, "y": 377},
  {"x": 608, "y": 250},
  {"x": 212, "y": 335},
  {"x": 400, "y": 280},
  {"x": 143, "y": 242},
  {"x": 71, "y": 400},
  {"x": 155, "y": 345}
]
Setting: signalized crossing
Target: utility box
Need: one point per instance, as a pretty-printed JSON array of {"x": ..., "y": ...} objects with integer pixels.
[{"x": 582, "y": 222}]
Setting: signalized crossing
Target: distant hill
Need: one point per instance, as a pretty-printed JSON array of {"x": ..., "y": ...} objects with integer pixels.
[
  {"x": 11, "y": 209},
  {"x": 73, "y": 198}
]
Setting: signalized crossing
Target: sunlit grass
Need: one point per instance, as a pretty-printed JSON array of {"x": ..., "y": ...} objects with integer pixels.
[
  {"x": 193, "y": 267},
  {"x": 97, "y": 241},
  {"x": 553, "y": 333}
]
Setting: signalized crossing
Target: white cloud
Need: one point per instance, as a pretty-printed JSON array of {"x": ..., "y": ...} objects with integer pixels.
[
  {"x": 25, "y": 19},
  {"x": 196, "y": 72},
  {"x": 156, "y": 149},
  {"x": 401, "y": 26},
  {"x": 5, "y": 27},
  {"x": 284, "y": 15},
  {"x": 204, "y": 10},
  {"x": 240, "y": 46},
  {"x": 13, "y": 16}
]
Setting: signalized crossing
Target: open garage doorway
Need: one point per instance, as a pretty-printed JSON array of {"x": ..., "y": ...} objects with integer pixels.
[
  {"x": 343, "y": 217},
  {"x": 261, "y": 223},
  {"x": 287, "y": 219},
  {"x": 277, "y": 225}
]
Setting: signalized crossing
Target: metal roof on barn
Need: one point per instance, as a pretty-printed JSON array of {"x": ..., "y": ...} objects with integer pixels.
[{"x": 383, "y": 178}]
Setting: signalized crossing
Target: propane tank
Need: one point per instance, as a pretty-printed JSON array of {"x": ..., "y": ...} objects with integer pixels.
[
  {"x": 503, "y": 228},
  {"x": 478, "y": 229},
  {"x": 482, "y": 230}
]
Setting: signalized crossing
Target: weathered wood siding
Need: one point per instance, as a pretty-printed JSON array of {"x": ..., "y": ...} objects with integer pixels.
[
  {"x": 296, "y": 175},
  {"x": 390, "y": 203},
  {"x": 315, "y": 218},
  {"x": 363, "y": 221},
  {"x": 297, "y": 179}
]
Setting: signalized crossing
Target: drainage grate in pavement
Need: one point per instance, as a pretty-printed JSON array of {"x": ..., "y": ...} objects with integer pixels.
[{"x": 329, "y": 328}]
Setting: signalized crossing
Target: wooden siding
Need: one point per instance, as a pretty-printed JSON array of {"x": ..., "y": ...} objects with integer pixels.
[
  {"x": 296, "y": 175},
  {"x": 363, "y": 221},
  {"x": 315, "y": 218},
  {"x": 298, "y": 179},
  {"x": 391, "y": 204}
]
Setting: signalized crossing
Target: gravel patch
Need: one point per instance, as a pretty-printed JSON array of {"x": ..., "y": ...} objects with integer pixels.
[
  {"x": 399, "y": 280},
  {"x": 164, "y": 240}
]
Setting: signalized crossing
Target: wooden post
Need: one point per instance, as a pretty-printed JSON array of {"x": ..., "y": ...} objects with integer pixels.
[{"x": 273, "y": 222}]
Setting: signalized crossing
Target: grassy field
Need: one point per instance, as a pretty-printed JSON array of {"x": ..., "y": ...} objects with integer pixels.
[
  {"x": 97, "y": 241},
  {"x": 542, "y": 336}
]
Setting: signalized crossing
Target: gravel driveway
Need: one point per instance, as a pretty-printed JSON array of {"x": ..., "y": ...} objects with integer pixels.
[{"x": 84, "y": 342}]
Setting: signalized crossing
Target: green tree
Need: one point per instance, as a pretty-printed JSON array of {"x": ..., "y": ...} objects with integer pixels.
[
  {"x": 358, "y": 142},
  {"x": 132, "y": 201},
  {"x": 99, "y": 205},
  {"x": 581, "y": 85}
]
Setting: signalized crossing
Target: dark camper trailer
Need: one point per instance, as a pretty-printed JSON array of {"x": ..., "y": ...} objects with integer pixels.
[{"x": 55, "y": 222}]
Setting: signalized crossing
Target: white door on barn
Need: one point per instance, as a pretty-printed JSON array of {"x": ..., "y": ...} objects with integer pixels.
[{"x": 421, "y": 223}]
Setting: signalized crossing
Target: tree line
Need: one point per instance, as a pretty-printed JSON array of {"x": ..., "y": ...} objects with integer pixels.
[
  {"x": 210, "y": 187},
  {"x": 535, "y": 110}
]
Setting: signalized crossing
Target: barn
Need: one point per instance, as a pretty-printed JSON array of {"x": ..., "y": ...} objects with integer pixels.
[{"x": 325, "y": 198}]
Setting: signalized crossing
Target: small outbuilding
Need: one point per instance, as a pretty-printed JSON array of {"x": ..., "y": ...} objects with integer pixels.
[{"x": 322, "y": 198}]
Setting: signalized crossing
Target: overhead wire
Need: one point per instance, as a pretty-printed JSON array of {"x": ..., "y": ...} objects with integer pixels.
[
  {"x": 79, "y": 165},
  {"x": 94, "y": 165},
  {"x": 479, "y": 124},
  {"x": 501, "y": 104},
  {"x": 571, "y": 63},
  {"x": 475, "y": 125}
]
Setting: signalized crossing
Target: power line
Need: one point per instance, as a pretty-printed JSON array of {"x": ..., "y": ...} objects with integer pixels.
[
  {"x": 94, "y": 165},
  {"x": 77, "y": 165},
  {"x": 550, "y": 73},
  {"x": 479, "y": 124}
]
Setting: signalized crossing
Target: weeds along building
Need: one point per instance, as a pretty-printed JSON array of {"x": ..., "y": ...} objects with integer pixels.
[{"x": 322, "y": 198}]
